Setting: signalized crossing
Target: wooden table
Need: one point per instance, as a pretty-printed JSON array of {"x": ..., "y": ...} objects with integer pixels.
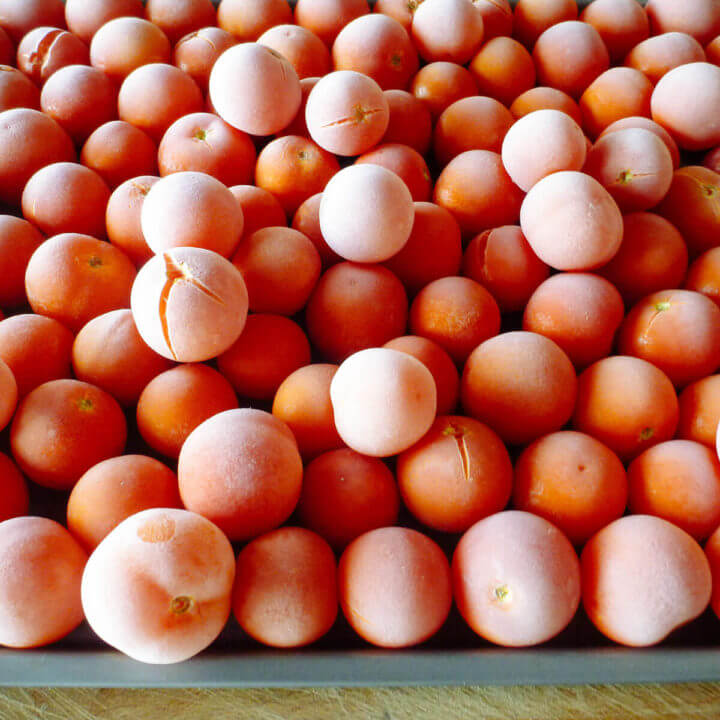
[{"x": 606, "y": 702}]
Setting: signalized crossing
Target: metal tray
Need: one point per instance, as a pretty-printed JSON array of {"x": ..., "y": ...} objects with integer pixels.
[
  {"x": 81, "y": 662},
  {"x": 455, "y": 656}
]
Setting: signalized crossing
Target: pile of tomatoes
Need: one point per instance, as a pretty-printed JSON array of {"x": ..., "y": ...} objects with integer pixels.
[{"x": 350, "y": 288}]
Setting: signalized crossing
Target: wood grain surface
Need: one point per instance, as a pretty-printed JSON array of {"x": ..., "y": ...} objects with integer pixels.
[{"x": 604, "y": 702}]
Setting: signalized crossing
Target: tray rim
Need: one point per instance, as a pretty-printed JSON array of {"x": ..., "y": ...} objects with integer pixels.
[{"x": 363, "y": 668}]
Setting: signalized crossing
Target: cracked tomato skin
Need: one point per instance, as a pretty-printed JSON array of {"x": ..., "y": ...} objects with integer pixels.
[
  {"x": 197, "y": 52},
  {"x": 177, "y": 19},
  {"x": 457, "y": 474},
  {"x": 189, "y": 304},
  {"x": 678, "y": 331},
  {"x": 503, "y": 262},
  {"x": 45, "y": 50},
  {"x": 347, "y": 113}
]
